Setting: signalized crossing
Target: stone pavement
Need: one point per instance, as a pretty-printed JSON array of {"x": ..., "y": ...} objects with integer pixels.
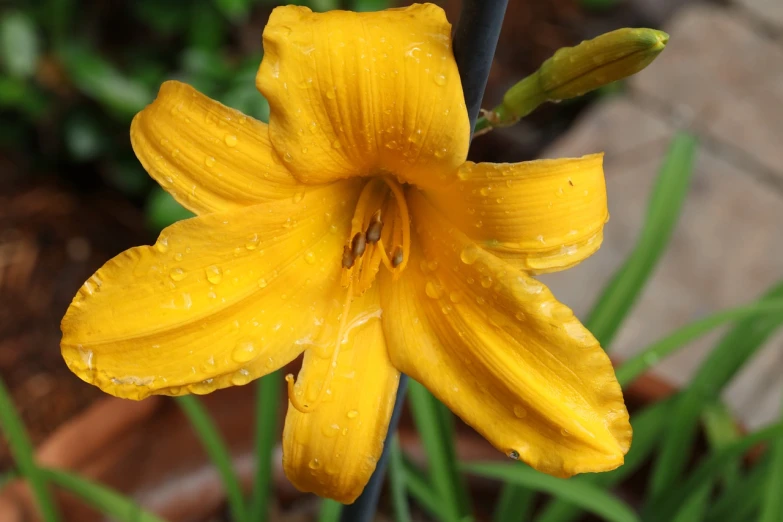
[{"x": 721, "y": 77}]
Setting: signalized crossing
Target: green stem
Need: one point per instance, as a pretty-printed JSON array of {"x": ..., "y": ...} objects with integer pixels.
[
  {"x": 217, "y": 451},
  {"x": 267, "y": 402},
  {"x": 397, "y": 482},
  {"x": 24, "y": 455}
]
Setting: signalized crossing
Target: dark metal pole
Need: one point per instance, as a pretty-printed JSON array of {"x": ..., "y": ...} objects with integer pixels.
[{"x": 475, "y": 40}]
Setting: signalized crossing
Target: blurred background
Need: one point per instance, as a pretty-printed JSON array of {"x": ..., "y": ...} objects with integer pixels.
[{"x": 74, "y": 72}]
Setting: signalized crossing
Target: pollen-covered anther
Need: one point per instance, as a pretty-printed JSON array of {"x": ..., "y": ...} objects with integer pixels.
[
  {"x": 397, "y": 257},
  {"x": 358, "y": 244},
  {"x": 374, "y": 229},
  {"x": 348, "y": 258}
]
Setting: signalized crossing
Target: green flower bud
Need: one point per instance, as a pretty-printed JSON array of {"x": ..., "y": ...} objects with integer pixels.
[{"x": 574, "y": 71}]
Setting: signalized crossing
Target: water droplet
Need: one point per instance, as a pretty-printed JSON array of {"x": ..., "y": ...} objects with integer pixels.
[
  {"x": 310, "y": 258},
  {"x": 314, "y": 464},
  {"x": 299, "y": 196},
  {"x": 287, "y": 157},
  {"x": 352, "y": 414},
  {"x": 209, "y": 161},
  {"x": 486, "y": 281},
  {"x": 484, "y": 191},
  {"x": 331, "y": 94},
  {"x": 513, "y": 454},
  {"x": 520, "y": 316},
  {"x": 564, "y": 432},
  {"x": 440, "y": 153},
  {"x": 262, "y": 283},
  {"x": 252, "y": 243},
  {"x": 469, "y": 254},
  {"x": 244, "y": 351},
  {"x": 562, "y": 313},
  {"x": 520, "y": 412},
  {"x": 214, "y": 274},
  {"x": 178, "y": 256},
  {"x": 203, "y": 387},
  {"x": 336, "y": 144},
  {"x": 330, "y": 430},
  {"x": 440, "y": 79},
  {"x": 177, "y": 274},
  {"x": 241, "y": 377},
  {"x": 455, "y": 296},
  {"x": 230, "y": 140},
  {"x": 432, "y": 289},
  {"x": 162, "y": 245}
]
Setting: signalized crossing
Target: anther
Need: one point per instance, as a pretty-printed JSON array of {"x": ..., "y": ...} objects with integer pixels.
[
  {"x": 348, "y": 257},
  {"x": 358, "y": 245},
  {"x": 374, "y": 228},
  {"x": 397, "y": 257}
]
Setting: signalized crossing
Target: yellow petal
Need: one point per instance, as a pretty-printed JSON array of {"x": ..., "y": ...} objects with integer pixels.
[
  {"x": 501, "y": 352},
  {"x": 332, "y": 451},
  {"x": 357, "y": 93},
  {"x": 541, "y": 216},
  {"x": 219, "y": 300},
  {"x": 209, "y": 157}
]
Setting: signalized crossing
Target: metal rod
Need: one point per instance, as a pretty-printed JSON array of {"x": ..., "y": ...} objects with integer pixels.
[{"x": 475, "y": 40}]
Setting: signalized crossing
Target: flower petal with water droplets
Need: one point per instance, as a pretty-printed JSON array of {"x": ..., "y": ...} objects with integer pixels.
[
  {"x": 502, "y": 353},
  {"x": 353, "y": 94},
  {"x": 219, "y": 300},
  {"x": 332, "y": 451},
  {"x": 540, "y": 216},
  {"x": 210, "y": 157}
]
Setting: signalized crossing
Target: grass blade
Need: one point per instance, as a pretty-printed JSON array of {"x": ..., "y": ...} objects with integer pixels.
[
  {"x": 425, "y": 409},
  {"x": 24, "y": 456},
  {"x": 720, "y": 366},
  {"x": 421, "y": 491},
  {"x": 397, "y": 482},
  {"x": 106, "y": 500},
  {"x": 587, "y": 496},
  {"x": 738, "y": 503},
  {"x": 6, "y": 477},
  {"x": 772, "y": 501},
  {"x": 669, "y": 502},
  {"x": 330, "y": 511},
  {"x": 695, "y": 507},
  {"x": 722, "y": 430},
  {"x": 515, "y": 504},
  {"x": 217, "y": 451},
  {"x": 663, "y": 210},
  {"x": 647, "y": 427},
  {"x": 649, "y": 357},
  {"x": 267, "y": 403}
]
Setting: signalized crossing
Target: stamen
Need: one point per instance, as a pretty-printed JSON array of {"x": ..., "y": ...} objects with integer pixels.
[
  {"x": 348, "y": 257},
  {"x": 405, "y": 222},
  {"x": 397, "y": 257},
  {"x": 374, "y": 230},
  {"x": 358, "y": 244},
  {"x": 296, "y": 402}
]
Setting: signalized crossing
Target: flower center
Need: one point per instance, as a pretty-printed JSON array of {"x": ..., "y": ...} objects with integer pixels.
[{"x": 380, "y": 233}]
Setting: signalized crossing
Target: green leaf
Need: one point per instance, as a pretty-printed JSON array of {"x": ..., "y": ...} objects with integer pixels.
[
  {"x": 24, "y": 456},
  {"x": 84, "y": 137},
  {"x": 105, "y": 500},
  {"x": 722, "y": 430},
  {"x": 206, "y": 30},
  {"x": 234, "y": 10},
  {"x": 267, "y": 406},
  {"x": 7, "y": 477},
  {"x": 243, "y": 96},
  {"x": 167, "y": 17},
  {"x": 19, "y": 44},
  {"x": 420, "y": 490},
  {"x": 397, "y": 482},
  {"x": 163, "y": 210},
  {"x": 126, "y": 174},
  {"x": 737, "y": 504},
  {"x": 218, "y": 452},
  {"x": 427, "y": 416},
  {"x": 587, "y": 496},
  {"x": 696, "y": 506},
  {"x": 666, "y": 504},
  {"x": 370, "y": 5},
  {"x": 647, "y": 425},
  {"x": 16, "y": 93},
  {"x": 719, "y": 367},
  {"x": 671, "y": 188},
  {"x": 99, "y": 79},
  {"x": 515, "y": 504},
  {"x": 772, "y": 500},
  {"x": 636, "y": 365},
  {"x": 330, "y": 511}
]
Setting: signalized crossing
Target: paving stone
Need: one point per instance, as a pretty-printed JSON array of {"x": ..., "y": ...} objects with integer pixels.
[
  {"x": 725, "y": 76},
  {"x": 726, "y": 250},
  {"x": 767, "y": 11}
]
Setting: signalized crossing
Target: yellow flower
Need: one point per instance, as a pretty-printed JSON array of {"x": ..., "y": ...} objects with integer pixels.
[{"x": 352, "y": 229}]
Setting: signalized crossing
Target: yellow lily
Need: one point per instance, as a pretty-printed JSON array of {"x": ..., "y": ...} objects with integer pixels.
[{"x": 362, "y": 165}]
